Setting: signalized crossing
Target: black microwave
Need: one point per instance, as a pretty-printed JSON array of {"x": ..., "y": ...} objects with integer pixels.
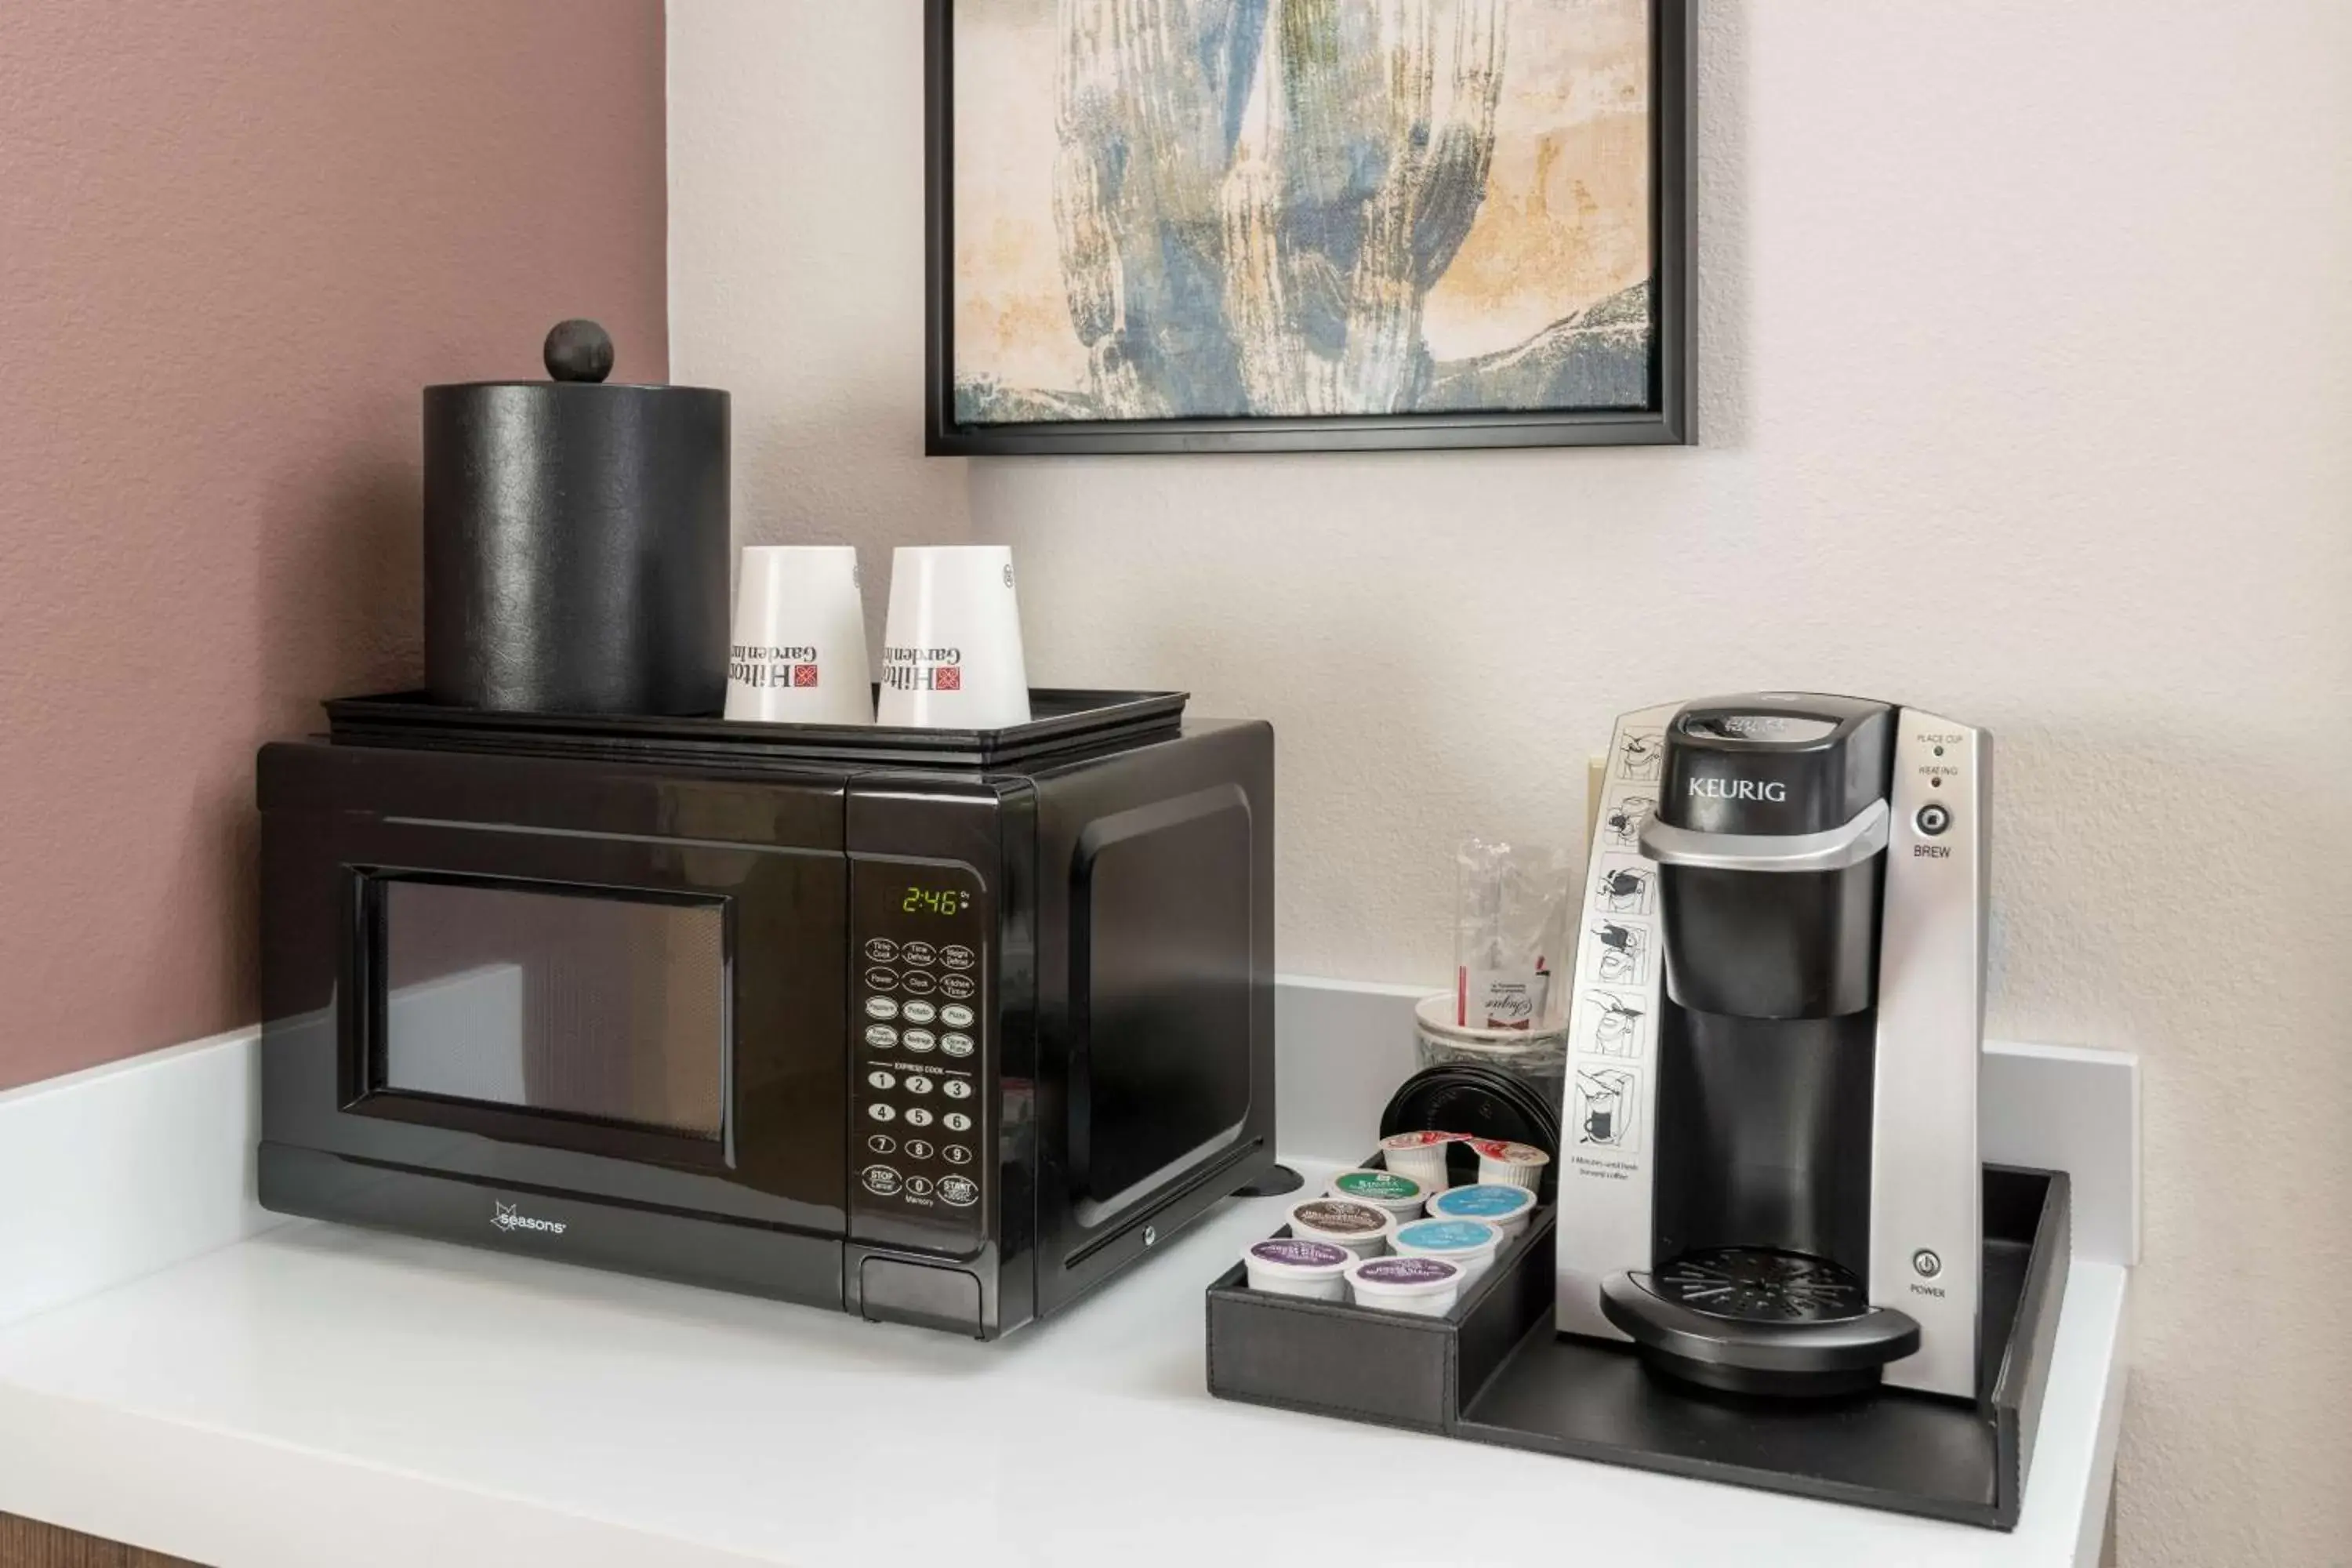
[{"x": 935, "y": 1027}]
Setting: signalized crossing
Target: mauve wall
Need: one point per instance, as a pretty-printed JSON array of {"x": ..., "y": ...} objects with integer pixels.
[{"x": 236, "y": 237}]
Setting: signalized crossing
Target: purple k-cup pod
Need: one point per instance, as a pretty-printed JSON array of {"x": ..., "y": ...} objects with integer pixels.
[
  {"x": 1294, "y": 1265},
  {"x": 1363, "y": 1228},
  {"x": 1425, "y": 1287}
]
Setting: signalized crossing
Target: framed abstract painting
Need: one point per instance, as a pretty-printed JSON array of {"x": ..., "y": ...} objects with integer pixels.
[{"x": 1182, "y": 226}]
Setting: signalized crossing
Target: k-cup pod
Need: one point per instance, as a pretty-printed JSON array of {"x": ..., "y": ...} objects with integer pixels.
[
  {"x": 798, "y": 655},
  {"x": 1468, "y": 1242},
  {"x": 1511, "y": 1164},
  {"x": 952, "y": 648},
  {"x": 1421, "y": 1155},
  {"x": 1293, "y": 1266},
  {"x": 1498, "y": 1203},
  {"x": 1400, "y": 1194},
  {"x": 1424, "y": 1287},
  {"x": 1363, "y": 1228}
]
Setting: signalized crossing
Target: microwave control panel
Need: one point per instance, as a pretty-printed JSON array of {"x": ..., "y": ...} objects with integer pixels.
[{"x": 920, "y": 1148}]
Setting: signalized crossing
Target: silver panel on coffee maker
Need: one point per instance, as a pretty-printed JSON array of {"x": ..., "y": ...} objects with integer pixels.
[
  {"x": 1926, "y": 1189},
  {"x": 1607, "y": 1124}
]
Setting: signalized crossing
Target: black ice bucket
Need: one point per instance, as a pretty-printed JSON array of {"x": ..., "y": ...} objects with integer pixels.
[{"x": 576, "y": 541}]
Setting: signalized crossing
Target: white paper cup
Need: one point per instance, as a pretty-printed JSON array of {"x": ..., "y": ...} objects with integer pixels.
[
  {"x": 798, "y": 653},
  {"x": 1424, "y": 1287},
  {"x": 1363, "y": 1228},
  {"x": 1468, "y": 1242},
  {"x": 1294, "y": 1265},
  {"x": 952, "y": 648}
]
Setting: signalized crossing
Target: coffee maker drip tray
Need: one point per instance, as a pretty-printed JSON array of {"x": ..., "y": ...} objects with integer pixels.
[
  {"x": 1754, "y": 1284},
  {"x": 1752, "y": 1320}
]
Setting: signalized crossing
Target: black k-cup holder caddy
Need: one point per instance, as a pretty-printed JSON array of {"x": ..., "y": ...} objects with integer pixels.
[{"x": 1493, "y": 1370}]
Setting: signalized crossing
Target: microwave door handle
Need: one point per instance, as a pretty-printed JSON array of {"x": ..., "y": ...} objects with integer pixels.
[{"x": 1835, "y": 850}]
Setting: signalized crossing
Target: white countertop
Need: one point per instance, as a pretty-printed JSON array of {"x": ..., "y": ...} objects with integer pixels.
[{"x": 323, "y": 1395}]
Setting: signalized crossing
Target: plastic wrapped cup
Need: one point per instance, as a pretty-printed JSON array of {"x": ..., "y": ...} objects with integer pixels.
[
  {"x": 1424, "y": 1287},
  {"x": 1498, "y": 1204},
  {"x": 1293, "y": 1266},
  {"x": 1421, "y": 1155},
  {"x": 1363, "y": 1228},
  {"x": 1510, "y": 1164},
  {"x": 1468, "y": 1242},
  {"x": 1400, "y": 1194}
]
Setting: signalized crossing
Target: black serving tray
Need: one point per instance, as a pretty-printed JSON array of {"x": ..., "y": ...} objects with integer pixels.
[
  {"x": 1064, "y": 723},
  {"x": 1588, "y": 1399},
  {"x": 1335, "y": 1358}
]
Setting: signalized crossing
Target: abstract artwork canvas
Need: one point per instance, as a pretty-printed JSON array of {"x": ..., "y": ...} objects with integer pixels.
[{"x": 1189, "y": 225}]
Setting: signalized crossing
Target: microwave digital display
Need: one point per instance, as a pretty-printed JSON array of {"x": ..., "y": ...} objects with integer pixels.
[
  {"x": 580, "y": 1003},
  {"x": 920, "y": 900}
]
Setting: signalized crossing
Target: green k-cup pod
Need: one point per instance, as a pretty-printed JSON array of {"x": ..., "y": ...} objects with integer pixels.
[{"x": 1398, "y": 1195}]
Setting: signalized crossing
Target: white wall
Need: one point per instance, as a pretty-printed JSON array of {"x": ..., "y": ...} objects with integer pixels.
[{"x": 2027, "y": 372}]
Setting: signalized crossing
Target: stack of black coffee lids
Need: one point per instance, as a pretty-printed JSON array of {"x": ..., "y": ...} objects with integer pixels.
[{"x": 1473, "y": 1098}]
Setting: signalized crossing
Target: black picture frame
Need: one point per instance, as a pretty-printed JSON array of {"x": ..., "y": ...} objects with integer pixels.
[{"x": 1668, "y": 420}]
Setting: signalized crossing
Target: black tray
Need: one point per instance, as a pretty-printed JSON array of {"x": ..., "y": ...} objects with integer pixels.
[
  {"x": 1062, "y": 722},
  {"x": 1893, "y": 1449},
  {"x": 1301, "y": 1354}
]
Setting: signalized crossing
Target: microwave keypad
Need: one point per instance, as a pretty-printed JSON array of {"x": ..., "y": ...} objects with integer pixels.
[{"x": 918, "y": 1152}]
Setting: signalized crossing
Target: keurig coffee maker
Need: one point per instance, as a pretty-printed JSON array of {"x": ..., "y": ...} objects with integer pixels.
[{"x": 1769, "y": 1177}]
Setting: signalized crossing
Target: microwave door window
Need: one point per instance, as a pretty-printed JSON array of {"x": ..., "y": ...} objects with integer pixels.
[{"x": 581, "y": 1003}]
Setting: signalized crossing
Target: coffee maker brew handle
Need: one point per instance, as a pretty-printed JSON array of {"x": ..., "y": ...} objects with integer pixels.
[{"x": 1835, "y": 850}]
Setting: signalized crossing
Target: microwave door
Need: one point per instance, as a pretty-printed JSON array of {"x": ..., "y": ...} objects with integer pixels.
[
  {"x": 1161, "y": 971},
  {"x": 652, "y": 1020}
]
